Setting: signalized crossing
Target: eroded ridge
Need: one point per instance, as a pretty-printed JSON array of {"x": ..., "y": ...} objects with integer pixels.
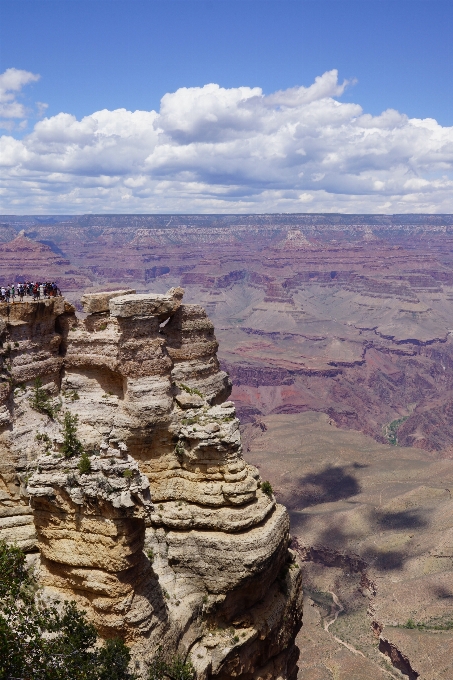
[{"x": 166, "y": 536}]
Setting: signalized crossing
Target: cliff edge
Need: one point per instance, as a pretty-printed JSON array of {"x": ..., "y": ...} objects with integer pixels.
[{"x": 153, "y": 521}]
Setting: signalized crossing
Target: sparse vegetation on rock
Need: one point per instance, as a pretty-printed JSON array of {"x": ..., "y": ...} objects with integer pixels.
[
  {"x": 175, "y": 668},
  {"x": 266, "y": 487},
  {"x": 39, "y": 641},
  {"x": 41, "y": 401},
  {"x": 84, "y": 464},
  {"x": 72, "y": 446},
  {"x": 191, "y": 390}
]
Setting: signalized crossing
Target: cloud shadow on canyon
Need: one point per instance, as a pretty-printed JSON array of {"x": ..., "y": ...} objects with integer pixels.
[
  {"x": 333, "y": 483},
  {"x": 397, "y": 521}
]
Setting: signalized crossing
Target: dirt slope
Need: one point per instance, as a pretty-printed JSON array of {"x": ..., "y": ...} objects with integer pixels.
[{"x": 374, "y": 526}]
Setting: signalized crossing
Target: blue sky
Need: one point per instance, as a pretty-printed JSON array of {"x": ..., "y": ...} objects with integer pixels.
[{"x": 93, "y": 55}]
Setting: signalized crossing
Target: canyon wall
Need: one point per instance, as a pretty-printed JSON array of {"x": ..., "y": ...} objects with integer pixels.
[
  {"x": 166, "y": 536},
  {"x": 349, "y": 315}
]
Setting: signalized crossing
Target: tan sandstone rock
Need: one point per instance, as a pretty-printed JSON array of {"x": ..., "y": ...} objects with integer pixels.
[
  {"x": 170, "y": 536},
  {"x": 95, "y": 303}
]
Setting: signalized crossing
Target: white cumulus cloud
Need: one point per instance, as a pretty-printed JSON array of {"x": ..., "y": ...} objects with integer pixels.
[
  {"x": 212, "y": 149},
  {"x": 11, "y": 83}
]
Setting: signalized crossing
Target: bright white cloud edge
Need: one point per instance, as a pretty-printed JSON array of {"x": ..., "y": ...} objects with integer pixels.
[{"x": 212, "y": 149}]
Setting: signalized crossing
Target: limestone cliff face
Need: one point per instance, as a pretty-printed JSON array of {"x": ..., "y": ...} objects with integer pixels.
[{"x": 169, "y": 537}]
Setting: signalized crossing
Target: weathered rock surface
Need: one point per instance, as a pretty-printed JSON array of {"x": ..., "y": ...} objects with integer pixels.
[
  {"x": 91, "y": 532},
  {"x": 94, "y": 303},
  {"x": 169, "y": 536}
]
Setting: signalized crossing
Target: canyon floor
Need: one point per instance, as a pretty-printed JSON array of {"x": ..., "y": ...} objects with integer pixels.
[{"x": 373, "y": 524}]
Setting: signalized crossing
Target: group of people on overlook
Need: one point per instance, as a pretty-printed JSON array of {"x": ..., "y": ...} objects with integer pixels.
[{"x": 37, "y": 290}]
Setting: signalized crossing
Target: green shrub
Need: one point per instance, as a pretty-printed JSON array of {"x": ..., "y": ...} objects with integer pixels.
[
  {"x": 392, "y": 430},
  {"x": 175, "y": 668},
  {"x": 84, "y": 464},
  {"x": 41, "y": 401},
  {"x": 43, "y": 642},
  {"x": 191, "y": 390},
  {"x": 72, "y": 446},
  {"x": 433, "y": 624},
  {"x": 43, "y": 437},
  {"x": 150, "y": 555},
  {"x": 267, "y": 488},
  {"x": 128, "y": 474},
  {"x": 179, "y": 451}
]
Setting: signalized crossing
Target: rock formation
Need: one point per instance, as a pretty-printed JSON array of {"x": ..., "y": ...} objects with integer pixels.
[{"x": 164, "y": 534}]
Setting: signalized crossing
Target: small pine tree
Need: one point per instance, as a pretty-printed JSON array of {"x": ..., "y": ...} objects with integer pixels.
[
  {"x": 175, "y": 668},
  {"x": 84, "y": 464},
  {"x": 40, "y": 400},
  {"x": 72, "y": 446},
  {"x": 179, "y": 669}
]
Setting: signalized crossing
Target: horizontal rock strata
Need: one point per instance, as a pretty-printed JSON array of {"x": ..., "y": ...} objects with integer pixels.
[
  {"x": 91, "y": 531},
  {"x": 167, "y": 535}
]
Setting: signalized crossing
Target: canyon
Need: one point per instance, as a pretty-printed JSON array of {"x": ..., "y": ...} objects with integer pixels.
[
  {"x": 345, "y": 314},
  {"x": 335, "y": 331}
]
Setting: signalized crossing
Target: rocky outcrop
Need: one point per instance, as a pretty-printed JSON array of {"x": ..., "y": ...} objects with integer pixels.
[
  {"x": 30, "y": 349},
  {"x": 91, "y": 532},
  {"x": 166, "y": 535}
]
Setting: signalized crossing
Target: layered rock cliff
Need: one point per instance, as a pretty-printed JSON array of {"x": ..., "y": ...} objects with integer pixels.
[{"x": 166, "y": 535}]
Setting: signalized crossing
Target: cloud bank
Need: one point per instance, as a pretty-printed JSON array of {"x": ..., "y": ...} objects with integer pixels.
[{"x": 211, "y": 149}]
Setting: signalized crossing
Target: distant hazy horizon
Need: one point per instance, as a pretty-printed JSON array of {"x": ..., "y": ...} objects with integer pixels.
[{"x": 329, "y": 217}]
